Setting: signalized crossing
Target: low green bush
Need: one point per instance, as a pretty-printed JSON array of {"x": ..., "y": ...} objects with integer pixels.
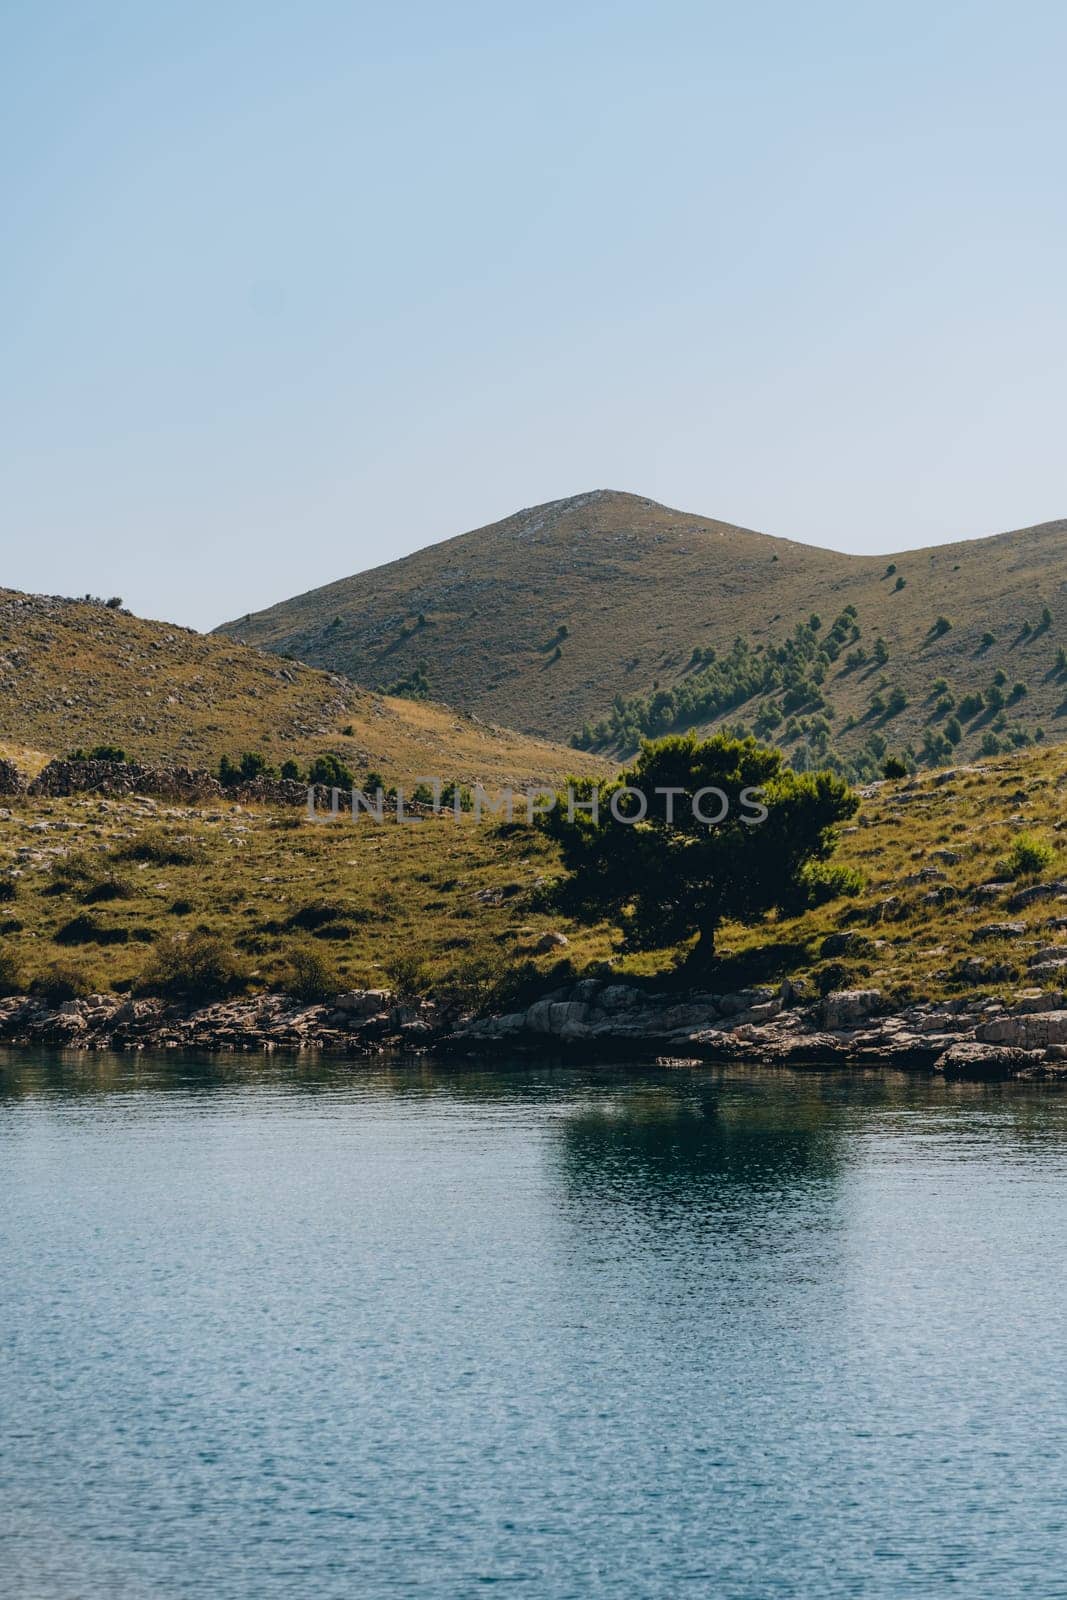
[
  {"x": 1028, "y": 855},
  {"x": 11, "y": 974},
  {"x": 308, "y": 974},
  {"x": 409, "y": 975},
  {"x": 73, "y": 873},
  {"x": 112, "y": 887},
  {"x": 84, "y": 930},
  {"x": 823, "y": 881},
  {"x": 159, "y": 848},
  {"x": 836, "y": 975},
  {"x": 196, "y": 966},
  {"x": 62, "y": 980},
  {"x": 246, "y": 769},
  {"x": 329, "y": 769}
]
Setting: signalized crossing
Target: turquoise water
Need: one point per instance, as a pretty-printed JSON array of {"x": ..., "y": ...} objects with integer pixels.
[{"x": 270, "y": 1331}]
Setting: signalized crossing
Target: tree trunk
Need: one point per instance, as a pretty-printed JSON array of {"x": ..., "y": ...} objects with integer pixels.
[{"x": 701, "y": 958}]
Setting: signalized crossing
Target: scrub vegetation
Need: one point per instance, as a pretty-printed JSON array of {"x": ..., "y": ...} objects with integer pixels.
[{"x": 951, "y": 881}]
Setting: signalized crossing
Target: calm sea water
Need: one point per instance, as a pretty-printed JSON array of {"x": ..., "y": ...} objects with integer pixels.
[{"x": 275, "y": 1331}]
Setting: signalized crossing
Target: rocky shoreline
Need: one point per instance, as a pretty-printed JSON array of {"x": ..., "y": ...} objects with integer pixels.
[
  {"x": 362, "y": 1022},
  {"x": 973, "y": 1036}
]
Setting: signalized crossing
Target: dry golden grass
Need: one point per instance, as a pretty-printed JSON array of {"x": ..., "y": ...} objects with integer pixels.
[
  {"x": 74, "y": 673},
  {"x": 27, "y": 760}
]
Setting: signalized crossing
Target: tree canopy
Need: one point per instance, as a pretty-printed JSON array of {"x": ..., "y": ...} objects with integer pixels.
[{"x": 694, "y": 859}]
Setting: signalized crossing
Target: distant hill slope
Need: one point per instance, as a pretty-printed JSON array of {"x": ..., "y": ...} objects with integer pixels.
[
  {"x": 74, "y": 672},
  {"x": 546, "y": 619}
]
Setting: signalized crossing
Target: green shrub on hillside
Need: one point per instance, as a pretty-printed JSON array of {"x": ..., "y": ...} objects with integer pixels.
[
  {"x": 484, "y": 983},
  {"x": 409, "y": 975},
  {"x": 159, "y": 848},
  {"x": 111, "y": 887},
  {"x": 415, "y": 686},
  {"x": 62, "y": 980},
  {"x": 11, "y": 975},
  {"x": 332, "y": 771},
  {"x": 1028, "y": 855},
  {"x": 309, "y": 974},
  {"x": 197, "y": 966},
  {"x": 84, "y": 929},
  {"x": 74, "y": 872},
  {"x": 823, "y": 881},
  {"x": 99, "y": 752},
  {"x": 455, "y": 795},
  {"x": 251, "y": 765},
  {"x": 936, "y": 746}
]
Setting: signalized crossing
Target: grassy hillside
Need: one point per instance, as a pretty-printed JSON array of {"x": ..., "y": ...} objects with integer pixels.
[
  {"x": 549, "y": 619},
  {"x": 74, "y": 672},
  {"x": 93, "y": 885}
]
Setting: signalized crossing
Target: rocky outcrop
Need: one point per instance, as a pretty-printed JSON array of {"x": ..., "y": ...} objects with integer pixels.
[
  {"x": 973, "y": 1036},
  {"x": 361, "y": 1022},
  {"x": 977, "y": 1061},
  {"x": 1031, "y": 1031},
  {"x": 969, "y": 1036},
  {"x": 1035, "y": 892},
  {"x": 845, "y": 1008}
]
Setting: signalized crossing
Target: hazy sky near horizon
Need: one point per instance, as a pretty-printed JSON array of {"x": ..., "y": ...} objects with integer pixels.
[{"x": 290, "y": 290}]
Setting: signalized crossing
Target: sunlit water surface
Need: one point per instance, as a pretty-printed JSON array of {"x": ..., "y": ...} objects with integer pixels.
[{"x": 271, "y": 1330}]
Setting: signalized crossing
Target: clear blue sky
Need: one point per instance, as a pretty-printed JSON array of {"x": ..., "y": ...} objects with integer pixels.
[{"x": 289, "y": 290}]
